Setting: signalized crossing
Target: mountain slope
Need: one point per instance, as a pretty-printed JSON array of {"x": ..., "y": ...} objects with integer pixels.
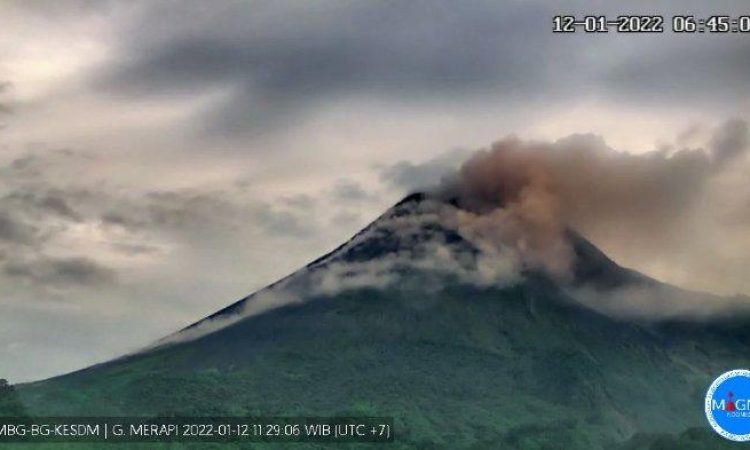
[{"x": 409, "y": 319}]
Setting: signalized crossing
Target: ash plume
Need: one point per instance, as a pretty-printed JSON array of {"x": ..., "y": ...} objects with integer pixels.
[{"x": 525, "y": 194}]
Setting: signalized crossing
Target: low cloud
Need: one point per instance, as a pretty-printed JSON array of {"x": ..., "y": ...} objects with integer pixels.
[
  {"x": 13, "y": 231},
  {"x": 5, "y": 106},
  {"x": 52, "y": 202},
  {"x": 264, "y": 300},
  {"x": 346, "y": 190},
  {"x": 36, "y": 224},
  {"x": 410, "y": 177},
  {"x": 210, "y": 212},
  {"x": 58, "y": 231},
  {"x": 283, "y": 221},
  {"x": 654, "y": 303},
  {"x": 75, "y": 271},
  {"x": 729, "y": 142}
]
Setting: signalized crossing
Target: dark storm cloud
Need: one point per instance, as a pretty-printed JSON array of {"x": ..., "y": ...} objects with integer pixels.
[
  {"x": 62, "y": 271},
  {"x": 277, "y": 61},
  {"x": 711, "y": 69},
  {"x": 305, "y": 49},
  {"x": 279, "y": 57}
]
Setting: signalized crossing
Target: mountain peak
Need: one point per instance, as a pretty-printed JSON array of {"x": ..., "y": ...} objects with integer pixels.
[
  {"x": 590, "y": 265},
  {"x": 420, "y": 238},
  {"x": 414, "y": 197}
]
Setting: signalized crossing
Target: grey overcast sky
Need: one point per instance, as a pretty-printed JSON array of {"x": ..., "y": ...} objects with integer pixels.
[{"x": 160, "y": 159}]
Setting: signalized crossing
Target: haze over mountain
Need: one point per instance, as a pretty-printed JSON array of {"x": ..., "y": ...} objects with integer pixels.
[
  {"x": 434, "y": 235},
  {"x": 468, "y": 340}
]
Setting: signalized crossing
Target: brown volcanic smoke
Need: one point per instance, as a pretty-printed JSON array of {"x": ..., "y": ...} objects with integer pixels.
[
  {"x": 510, "y": 201},
  {"x": 525, "y": 194}
]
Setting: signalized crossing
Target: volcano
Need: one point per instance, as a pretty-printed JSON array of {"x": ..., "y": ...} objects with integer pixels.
[{"x": 412, "y": 319}]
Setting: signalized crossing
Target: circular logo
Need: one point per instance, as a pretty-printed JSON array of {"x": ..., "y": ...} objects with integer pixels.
[{"x": 728, "y": 405}]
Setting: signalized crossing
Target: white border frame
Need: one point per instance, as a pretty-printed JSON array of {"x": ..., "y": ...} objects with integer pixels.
[{"x": 709, "y": 412}]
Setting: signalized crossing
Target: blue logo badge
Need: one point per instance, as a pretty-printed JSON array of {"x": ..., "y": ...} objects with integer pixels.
[{"x": 728, "y": 405}]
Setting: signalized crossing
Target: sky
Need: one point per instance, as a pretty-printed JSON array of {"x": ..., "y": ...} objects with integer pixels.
[{"x": 161, "y": 159}]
